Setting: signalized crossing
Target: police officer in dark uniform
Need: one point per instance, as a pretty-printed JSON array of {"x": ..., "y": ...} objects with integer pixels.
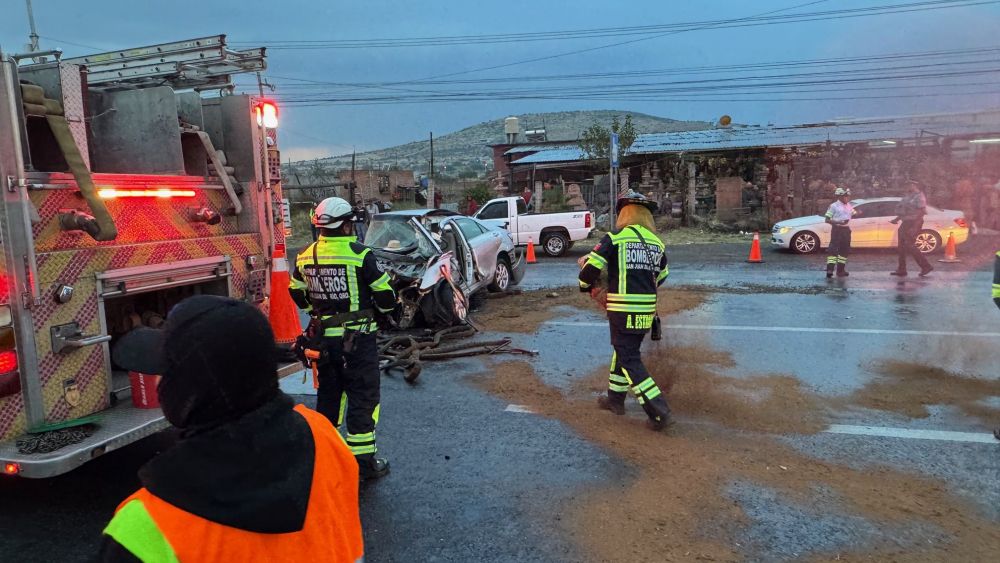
[
  {"x": 636, "y": 262},
  {"x": 341, "y": 285}
]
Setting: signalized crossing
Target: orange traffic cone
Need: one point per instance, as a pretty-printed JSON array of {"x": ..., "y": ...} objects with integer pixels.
[
  {"x": 949, "y": 251},
  {"x": 531, "y": 252},
  {"x": 755, "y": 250},
  {"x": 282, "y": 313}
]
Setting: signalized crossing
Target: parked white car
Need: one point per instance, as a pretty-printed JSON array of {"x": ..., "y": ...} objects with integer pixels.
[{"x": 871, "y": 228}]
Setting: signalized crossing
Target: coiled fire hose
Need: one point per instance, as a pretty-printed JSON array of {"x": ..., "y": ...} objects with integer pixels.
[{"x": 408, "y": 352}]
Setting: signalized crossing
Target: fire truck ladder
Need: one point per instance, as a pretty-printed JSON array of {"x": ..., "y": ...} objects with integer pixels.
[{"x": 200, "y": 64}]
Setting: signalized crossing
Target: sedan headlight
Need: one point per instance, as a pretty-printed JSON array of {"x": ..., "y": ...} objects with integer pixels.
[{"x": 784, "y": 230}]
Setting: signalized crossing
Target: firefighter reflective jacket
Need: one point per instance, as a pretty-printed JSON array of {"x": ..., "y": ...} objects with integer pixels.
[
  {"x": 337, "y": 276},
  {"x": 636, "y": 262},
  {"x": 299, "y": 504}
]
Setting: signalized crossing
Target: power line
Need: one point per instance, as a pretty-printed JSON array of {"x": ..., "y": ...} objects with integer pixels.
[{"x": 770, "y": 18}]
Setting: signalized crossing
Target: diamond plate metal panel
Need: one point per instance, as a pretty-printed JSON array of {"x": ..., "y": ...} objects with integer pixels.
[{"x": 86, "y": 367}]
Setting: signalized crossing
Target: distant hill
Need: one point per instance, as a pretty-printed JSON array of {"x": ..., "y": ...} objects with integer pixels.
[{"x": 465, "y": 153}]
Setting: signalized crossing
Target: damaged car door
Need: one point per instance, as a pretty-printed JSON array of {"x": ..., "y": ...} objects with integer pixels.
[{"x": 484, "y": 247}]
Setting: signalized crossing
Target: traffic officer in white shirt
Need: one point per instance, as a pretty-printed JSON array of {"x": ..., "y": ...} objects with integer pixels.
[{"x": 839, "y": 215}]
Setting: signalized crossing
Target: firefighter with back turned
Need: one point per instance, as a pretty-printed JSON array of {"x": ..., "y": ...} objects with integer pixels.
[{"x": 636, "y": 264}]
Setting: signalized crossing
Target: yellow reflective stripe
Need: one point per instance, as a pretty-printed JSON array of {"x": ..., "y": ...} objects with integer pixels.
[
  {"x": 328, "y": 259},
  {"x": 361, "y": 450},
  {"x": 644, "y": 385},
  {"x": 614, "y": 362},
  {"x": 627, "y": 376},
  {"x": 618, "y": 388},
  {"x": 996, "y": 290},
  {"x": 596, "y": 260},
  {"x": 622, "y": 308},
  {"x": 352, "y": 288},
  {"x": 633, "y": 297},
  {"x": 663, "y": 274},
  {"x": 343, "y": 409},
  {"x": 617, "y": 378},
  {"x": 366, "y": 437},
  {"x": 376, "y": 412},
  {"x": 135, "y": 530},
  {"x": 294, "y": 283},
  {"x": 622, "y": 269},
  {"x": 381, "y": 284},
  {"x": 584, "y": 284},
  {"x": 653, "y": 393}
]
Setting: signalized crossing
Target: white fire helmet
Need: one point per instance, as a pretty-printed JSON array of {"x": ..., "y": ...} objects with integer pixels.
[
  {"x": 332, "y": 212},
  {"x": 841, "y": 191}
]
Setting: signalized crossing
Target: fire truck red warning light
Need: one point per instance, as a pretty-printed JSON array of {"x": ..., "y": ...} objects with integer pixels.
[
  {"x": 267, "y": 114},
  {"x": 160, "y": 193}
]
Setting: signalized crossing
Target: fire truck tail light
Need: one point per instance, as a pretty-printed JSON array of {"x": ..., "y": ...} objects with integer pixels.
[
  {"x": 158, "y": 193},
  {"x": 11, "y": 468},
  {"x": 267, "y": 114},
  {"x": 8, "y": 361}
]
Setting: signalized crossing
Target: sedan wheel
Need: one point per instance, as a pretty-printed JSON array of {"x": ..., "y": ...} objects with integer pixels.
[
  {"x": 805, "y": 243},
  {"x": 927, "y": 242}
]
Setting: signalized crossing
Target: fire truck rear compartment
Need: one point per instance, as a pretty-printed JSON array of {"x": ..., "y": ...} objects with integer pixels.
[{"x": 147, "y": 309}]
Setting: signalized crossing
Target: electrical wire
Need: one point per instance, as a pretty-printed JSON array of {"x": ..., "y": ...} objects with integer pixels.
[{"x": 769, "y": 18}]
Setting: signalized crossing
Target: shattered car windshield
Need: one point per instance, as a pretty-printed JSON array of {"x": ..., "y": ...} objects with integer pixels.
[{"x": 398, "y": 235}]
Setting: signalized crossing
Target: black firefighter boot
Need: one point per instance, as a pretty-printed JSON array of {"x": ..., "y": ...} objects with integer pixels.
[
  {"x": 659, "y": 414},
  {"x": 842, "y": 270},
  {"x": 614, "y": 402},
  {"x": 371, "y": 467},
  {"x": 829, "y": 270}
]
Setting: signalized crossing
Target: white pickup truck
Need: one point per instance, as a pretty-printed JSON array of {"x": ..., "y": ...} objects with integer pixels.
[{"x": 556, "y": 232}]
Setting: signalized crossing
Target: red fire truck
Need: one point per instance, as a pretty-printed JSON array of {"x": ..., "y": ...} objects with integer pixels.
[{"x": 130, "y": 180}]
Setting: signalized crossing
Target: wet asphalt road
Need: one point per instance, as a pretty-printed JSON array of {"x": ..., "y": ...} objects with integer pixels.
[{"x": 473, "y": 481}]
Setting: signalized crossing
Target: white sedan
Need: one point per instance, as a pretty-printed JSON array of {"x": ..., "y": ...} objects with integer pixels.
[{"x": 871, "y": 228}]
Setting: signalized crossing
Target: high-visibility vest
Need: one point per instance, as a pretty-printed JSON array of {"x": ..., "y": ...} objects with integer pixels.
[{"x": 155, "y": 530}]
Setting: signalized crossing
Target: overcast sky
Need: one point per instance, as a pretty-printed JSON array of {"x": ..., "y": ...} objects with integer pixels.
[{"x": 309, "y": 132}]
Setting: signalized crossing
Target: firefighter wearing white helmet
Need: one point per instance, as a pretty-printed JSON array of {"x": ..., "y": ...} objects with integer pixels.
[
  {"x": 339, "y": 282},
  {"x": 839, "y": 215}
]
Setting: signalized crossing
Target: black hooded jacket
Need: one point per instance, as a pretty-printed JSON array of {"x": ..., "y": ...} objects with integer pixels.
[{"x": 254, "y": 473}]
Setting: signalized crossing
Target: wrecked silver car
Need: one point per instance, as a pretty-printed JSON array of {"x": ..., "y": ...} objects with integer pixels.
[{"x": 438, "y": 259}]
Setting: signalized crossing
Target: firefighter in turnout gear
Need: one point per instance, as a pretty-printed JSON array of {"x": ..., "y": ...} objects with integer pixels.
[
  {"x": 996, "y": 280},
  {"x": 338, "y": 281},
  {"x": 839, "y": 215},
  {"x": 636, "y": 264}
]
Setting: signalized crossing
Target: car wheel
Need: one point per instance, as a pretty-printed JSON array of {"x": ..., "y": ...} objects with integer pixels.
[
  {"x": 927, "y": 241},
  {"x": 555, "y": 244},
  {"x": 502, "y": 277},
  {"x": 804, "y": 243}
]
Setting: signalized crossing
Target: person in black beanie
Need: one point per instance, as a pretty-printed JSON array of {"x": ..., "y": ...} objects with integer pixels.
[{"x": 249, "y": 465}]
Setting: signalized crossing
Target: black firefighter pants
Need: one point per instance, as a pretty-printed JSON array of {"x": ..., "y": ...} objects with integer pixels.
[
  {"x": 349, "y": 390},
  {"x": 907, "y": 235},
  {"x": 628, "y": 372},
  {"x": 840, "y": 247}
]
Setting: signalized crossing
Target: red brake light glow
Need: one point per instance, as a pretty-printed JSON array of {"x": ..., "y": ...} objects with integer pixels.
[
  {"x": 8, "y": 361},
  {"x": 11, "y": 468},
  {"x": 267, "y": 114},
  {"x": 586, "y": 222},
  {"x": 961, "y": 222},
  {"x": 159, "y": 193}
]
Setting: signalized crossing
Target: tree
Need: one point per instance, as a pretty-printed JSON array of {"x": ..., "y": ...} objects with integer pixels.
[
  {"x": 596, "y": 139},
  {"x": 479, "y": 192}
]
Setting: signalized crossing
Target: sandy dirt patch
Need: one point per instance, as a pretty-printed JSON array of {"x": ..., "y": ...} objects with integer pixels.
[{"x": 677, "y": 508}]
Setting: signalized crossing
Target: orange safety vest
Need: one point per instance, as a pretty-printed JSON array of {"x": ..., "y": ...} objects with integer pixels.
[{"x": 332, "y": 529}]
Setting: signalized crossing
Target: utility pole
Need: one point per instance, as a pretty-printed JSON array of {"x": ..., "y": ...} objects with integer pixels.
[
  {"x": 351, "y": 189},
  {"x": 430, "y": 182},
  {"x": 613, "y": 181}
]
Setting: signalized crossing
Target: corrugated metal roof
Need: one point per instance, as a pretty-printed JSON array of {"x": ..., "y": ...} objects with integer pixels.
[
  {"x": 816, "y": 134},
  {"x": 555, "y": 155},
  {"x": 537, "y": 148}
]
